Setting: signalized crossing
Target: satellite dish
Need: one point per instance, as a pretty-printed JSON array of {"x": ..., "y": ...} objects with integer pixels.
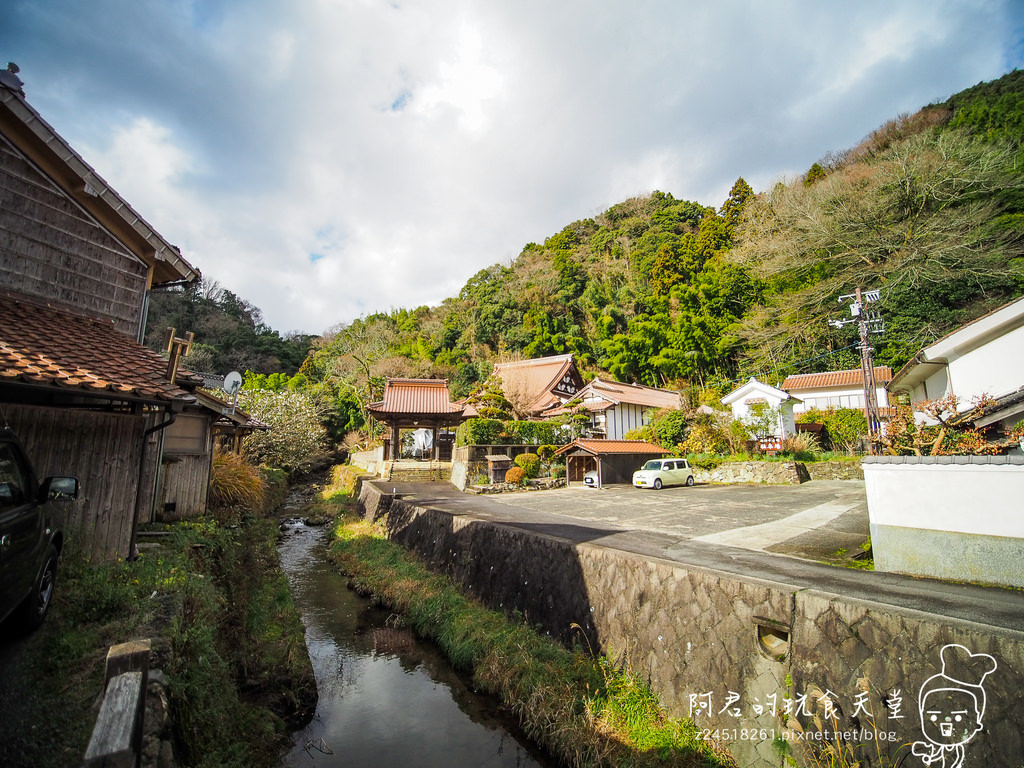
[{"x": 232, "y": 383}]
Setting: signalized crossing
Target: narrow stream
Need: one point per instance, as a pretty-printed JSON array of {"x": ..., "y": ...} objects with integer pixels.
[{"x": 385, "y": 697}]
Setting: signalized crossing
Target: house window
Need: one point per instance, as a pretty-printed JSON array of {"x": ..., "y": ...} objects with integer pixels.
[{"x": 187, "y": 435}]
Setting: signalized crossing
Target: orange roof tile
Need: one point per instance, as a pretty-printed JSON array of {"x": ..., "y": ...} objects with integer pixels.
[
  {"x": 44, "y": 346},
  {"x": 636, "y": 394},
  {"x": 850, "y": 378},
  {"x": 419, "y": 396},
  {"x": 613, "y": 446}
]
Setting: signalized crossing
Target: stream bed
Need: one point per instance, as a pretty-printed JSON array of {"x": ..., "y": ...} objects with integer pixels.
[{"x": 386, "y": 698}]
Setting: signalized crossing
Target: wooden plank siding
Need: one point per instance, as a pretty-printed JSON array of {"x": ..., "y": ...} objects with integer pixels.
[
  {"x": 184, "y": 487},
  {"x": 100, "y": 449},
  {"x": 622, "y": 418},
  {"x": 53, "y": 250}
]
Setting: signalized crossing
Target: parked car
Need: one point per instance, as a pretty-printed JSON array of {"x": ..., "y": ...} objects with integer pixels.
[
  {"x": 660, "y": 472},
  {"x": 30, "y": 541},
  {"x": 592, "y": 479}
]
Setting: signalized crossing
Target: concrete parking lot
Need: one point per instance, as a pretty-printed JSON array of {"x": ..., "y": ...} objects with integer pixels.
[{"x": 813, "y": 521}]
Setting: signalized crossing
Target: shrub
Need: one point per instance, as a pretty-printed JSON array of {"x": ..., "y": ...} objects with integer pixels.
[
  {"x": 669, "y": 428},
  {"x": 705, "y": 438},
  {"x": 530, "y": 462},
  {"x": 234, "y": 482},
  {"x": 516, "y": 476},
  {"x": 846, "y": 428},
  {"x": 546, "y": 452},
  {"x": 803, "y": 446}
]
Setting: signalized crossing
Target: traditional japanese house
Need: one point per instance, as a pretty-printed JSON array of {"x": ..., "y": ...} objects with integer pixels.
[{"x": 77, "y": 263}]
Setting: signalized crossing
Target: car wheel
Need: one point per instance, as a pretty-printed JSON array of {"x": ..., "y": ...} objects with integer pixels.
[
  {"x": 657, "y": 483},
  {"x": 689, "y": 480},
  {"x": 37, "y": 604}
]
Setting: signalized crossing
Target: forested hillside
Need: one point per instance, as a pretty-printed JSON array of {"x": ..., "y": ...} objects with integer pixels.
[
  {"x": 229, "y": 331},
  {"x": 929, "y": 209}
]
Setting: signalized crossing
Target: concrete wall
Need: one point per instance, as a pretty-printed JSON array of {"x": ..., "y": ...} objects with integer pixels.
[
  {"x": 371, "y": 460},
  {"x": 700, "y": 635},
  {"x": 950, "y": 517}
]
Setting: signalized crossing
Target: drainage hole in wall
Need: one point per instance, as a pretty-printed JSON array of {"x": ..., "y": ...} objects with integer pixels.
[{"x": 773, "y": 642}]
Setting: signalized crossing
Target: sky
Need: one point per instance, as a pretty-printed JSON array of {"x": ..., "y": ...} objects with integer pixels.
[{"x": 327, "y": 159}]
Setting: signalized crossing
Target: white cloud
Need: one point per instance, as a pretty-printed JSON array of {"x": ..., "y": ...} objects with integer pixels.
[{"x": 325, "y": 160}]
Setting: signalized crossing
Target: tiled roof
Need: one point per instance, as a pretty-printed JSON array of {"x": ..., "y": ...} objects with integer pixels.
[
  {"x": 613, "y": 446},
  {"x": 636, "y": 394},
  {"x": 420, "y": 396},
  {"x": 850, "y": 378},
  {"x": 44, "y": 346},
  {"x": 536, "y": 378}
]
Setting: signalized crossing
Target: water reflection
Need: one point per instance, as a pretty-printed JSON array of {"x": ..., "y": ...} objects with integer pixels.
[{"x": 385, "y": 699}]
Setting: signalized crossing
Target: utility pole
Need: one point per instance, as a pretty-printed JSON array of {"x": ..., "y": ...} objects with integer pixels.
[{"x": 868, "y": 322}]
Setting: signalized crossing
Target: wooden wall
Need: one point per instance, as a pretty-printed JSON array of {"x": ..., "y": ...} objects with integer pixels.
[
  {"x": 51, "y": 249},
  {"x": 186, "y": 480},
  {"x": 102, "y": 451}
]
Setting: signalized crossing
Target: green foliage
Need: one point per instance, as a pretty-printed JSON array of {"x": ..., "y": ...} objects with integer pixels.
[
  {"x": 516, "y": 476},
  {"x": 530, "y": 462},
  {"x": 669, "y": 428},
  {"x": 496, "y": 432},
  {"x": 479, "y": 432},
  {"x": 546, "y": 452},
  {"x": 229, "y": 331},
  {"x": 846, "y": 428},
  {"x": 814, "y": 173}
]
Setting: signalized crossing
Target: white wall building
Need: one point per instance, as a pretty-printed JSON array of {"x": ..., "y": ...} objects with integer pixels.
[
  {"x": 836, "y": 389},
  {"x": 744, "y": 400},
  {"x": 985, "y": 357}
]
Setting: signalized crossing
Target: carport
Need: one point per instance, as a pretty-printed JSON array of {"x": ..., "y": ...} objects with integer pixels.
[{"x": 614, "y": 460}]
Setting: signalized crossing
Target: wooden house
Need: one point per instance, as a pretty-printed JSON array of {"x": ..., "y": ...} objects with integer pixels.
[
  {"x": 616, "y": 408},
  {"x": 77, "y": 263},
  {"x": 533, "y": 386}
]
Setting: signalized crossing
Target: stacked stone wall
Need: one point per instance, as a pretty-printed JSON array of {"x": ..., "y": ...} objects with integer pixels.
[{"x": 703, "y": 637}]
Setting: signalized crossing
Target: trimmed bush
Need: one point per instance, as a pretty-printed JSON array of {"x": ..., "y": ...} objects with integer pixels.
[
  {"x": 516, "y": 476},
  {"x": 546, "y": 452},
  {"x": 530, "y": 462}
]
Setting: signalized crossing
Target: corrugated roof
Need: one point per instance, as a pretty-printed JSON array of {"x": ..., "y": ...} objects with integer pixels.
[
  {"x": 48, "y": 347},
  {"x": 613, "y": 446},
  {"x": 850, "y": 378},
  {"x": 416, "y": 396}
]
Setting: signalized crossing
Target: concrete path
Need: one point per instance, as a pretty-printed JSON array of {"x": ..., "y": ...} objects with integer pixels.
[{"x": 777, "y": 533}]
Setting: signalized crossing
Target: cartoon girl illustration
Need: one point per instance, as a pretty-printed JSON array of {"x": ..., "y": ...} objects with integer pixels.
[{"x": 952, "y": 704}]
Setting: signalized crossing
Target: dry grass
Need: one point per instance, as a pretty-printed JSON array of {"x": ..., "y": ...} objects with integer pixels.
[{"x": 234, "y": 482}]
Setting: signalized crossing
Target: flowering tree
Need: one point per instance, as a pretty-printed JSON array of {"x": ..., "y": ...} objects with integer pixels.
[{"x": 296, "y": 435}]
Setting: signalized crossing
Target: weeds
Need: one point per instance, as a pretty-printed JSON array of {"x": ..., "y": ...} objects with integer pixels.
[
  {"x": 831, "y": 742},
  {"x": 219, "y": 619}
]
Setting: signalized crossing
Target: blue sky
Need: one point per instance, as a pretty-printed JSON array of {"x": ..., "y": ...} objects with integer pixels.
[{"x": 329, "y": 158}]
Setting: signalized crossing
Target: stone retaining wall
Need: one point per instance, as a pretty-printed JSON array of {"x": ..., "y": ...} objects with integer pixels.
[
  {"x": 703, "y": 638},
  {"x": 771, "y": 472}
]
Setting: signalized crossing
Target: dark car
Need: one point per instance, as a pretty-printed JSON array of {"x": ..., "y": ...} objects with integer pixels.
[{"x": 30, "y": 541}]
